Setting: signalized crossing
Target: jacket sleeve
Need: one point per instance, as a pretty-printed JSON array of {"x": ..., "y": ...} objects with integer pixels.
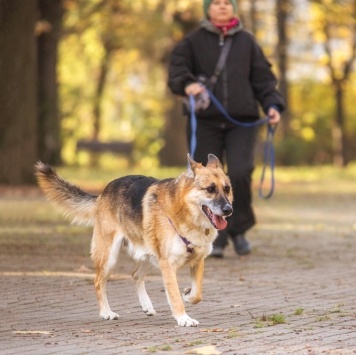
[
  {"x": 180, "y": 68},
  {"x": 264, "y": 82}
]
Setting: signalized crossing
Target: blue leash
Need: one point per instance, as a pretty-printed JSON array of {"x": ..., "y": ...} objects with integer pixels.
[{"x": 269, "y": 153}]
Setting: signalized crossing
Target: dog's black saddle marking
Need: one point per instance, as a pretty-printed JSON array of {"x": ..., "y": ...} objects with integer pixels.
[{"x": 129, "y": 190}]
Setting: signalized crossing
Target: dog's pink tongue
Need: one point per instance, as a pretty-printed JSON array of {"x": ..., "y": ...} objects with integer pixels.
[{"x": 219, "y": 222}]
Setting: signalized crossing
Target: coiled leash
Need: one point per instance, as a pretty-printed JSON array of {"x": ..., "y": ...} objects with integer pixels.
[{"x": 269, "y": 153}]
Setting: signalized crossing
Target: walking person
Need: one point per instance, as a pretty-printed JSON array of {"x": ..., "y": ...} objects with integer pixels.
[{"x": 241, "y": 85}]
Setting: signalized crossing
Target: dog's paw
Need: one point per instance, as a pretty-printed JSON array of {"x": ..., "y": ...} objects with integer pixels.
[
  {"x": 149, "y": 311},
  {"x": 186, "y": 321},
  {"x": 188, "y": 297},
  {"x": 109, "y": 315},
  {"x": 147, "y": 306}
]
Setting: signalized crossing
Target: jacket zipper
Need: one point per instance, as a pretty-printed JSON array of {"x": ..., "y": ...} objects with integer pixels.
[{"x": 221, "y": 39}]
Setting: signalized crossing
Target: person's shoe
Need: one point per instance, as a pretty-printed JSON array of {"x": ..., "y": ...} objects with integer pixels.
[
  {"x": 217, "y": 252},
  {"x": 241, "y": 245}
]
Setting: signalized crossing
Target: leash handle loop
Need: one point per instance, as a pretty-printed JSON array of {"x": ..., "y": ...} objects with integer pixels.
[
  {"x": 269, "y": 153},
  {"x": 222, "y": 110},
  {"x": 268, "y": 157}
]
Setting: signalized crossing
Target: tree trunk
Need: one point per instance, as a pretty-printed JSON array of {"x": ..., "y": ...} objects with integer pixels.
[
  {"x": 338, "y": 130},
  {"x": 340, "y": 156},
  {"x": 49, "y": 32},
  {"x": 282, "y": 10},
  {"x": 249, "y": 17},
  {"x": 104, "y": 69},
  {"x": 18, "y": 91},
  {"x": 174, "y": 153}
]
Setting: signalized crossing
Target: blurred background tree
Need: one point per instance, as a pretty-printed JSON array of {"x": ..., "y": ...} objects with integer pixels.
[
  {"x": 18, "y": 88},
  {"x": 101, "y": 70},
  {"x": 335, "y": 28},
  {"x": 48, "y": 30}
]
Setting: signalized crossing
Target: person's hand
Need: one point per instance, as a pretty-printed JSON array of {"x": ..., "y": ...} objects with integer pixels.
[
  {"x": 194, "y": 89},
  {"x": 274, "y": 116}
]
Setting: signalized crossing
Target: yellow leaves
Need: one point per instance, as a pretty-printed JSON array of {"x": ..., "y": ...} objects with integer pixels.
[
  {"x": 305, "y": 126},
  {"x": 319, "y": 36},
  {"x": 32, "y": 332},
  {"x": 317, "y": 14},
  {"x": 309, "y": 118},
  {"x": 308, "y": 134},
  {"x": 205, "y": 350}
]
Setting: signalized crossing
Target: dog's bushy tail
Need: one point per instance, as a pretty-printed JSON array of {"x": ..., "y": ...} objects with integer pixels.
[{"x": 69, "y": 198}]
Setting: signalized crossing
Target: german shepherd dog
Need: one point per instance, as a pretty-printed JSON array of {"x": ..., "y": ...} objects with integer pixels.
[{"x": 165, "y": 223}]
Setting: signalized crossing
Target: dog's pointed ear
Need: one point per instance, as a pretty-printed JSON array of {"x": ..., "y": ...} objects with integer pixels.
[
  {"x": 213, "y": 162},
  {"x": 192, "y": 166}
]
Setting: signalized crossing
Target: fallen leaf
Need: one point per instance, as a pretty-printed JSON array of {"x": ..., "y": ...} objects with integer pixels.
[
  {"x": 31, "y": 332},
  {"x": 214, "y": 330},
  {"x": 205, "y": 350}
]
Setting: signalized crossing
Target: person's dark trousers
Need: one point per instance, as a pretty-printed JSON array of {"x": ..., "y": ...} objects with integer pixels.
[{"x": 234, "y": 146}]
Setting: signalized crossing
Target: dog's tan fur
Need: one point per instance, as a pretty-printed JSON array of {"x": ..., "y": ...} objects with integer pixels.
[{"x": 160, "y": 223}]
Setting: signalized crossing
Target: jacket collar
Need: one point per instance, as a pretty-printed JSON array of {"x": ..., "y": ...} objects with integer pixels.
[{"x": 207, "y": 25}]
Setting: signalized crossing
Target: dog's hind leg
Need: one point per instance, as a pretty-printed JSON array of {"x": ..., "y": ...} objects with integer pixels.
[
  {"x": 193, "y": 294},
  {"x": 139, "y": 275},
  {"x": 105, "y": 258}
]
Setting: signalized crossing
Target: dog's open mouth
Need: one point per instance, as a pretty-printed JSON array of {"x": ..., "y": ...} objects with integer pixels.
[{"x": 218, "y": 222}]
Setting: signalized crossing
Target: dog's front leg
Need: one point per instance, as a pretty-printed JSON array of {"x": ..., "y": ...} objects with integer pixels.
[
  {"x": 193, "y": 294},
  {"x": 169, "y": 275}
]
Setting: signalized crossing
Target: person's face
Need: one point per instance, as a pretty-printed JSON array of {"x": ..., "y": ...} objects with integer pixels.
[{"x": 221, "y": 11}]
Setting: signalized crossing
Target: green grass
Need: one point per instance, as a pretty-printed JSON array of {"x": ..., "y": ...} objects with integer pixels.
[
  {"x": 154, "y": 349},
  {"x": 151, "y": 349},
  {"x": 165, "y": 347},
  {"x": 277, "y": 319},
  {"x": 265, "y": 320},
  {"x": 299, "y": 311},
  {"x": 195, "y": 343},
  {"x": 232, "y": 333}
]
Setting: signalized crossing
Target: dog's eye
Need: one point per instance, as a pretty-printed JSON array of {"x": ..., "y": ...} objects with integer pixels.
[
  {"x": 227, "y": 189},
  {"x": 211, "y": 189}
]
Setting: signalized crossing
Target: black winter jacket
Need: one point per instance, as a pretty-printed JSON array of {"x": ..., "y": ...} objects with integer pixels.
[{"x": 245, "y": 81}]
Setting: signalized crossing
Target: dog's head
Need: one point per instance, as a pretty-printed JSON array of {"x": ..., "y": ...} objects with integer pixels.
[{"x": 212, "y": 190}]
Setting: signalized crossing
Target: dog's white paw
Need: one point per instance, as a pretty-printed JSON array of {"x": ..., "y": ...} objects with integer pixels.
[
  {"x": 149, "y": 311},
  {"x": 109, "y": 315},
  {"x": 188, "y": 297},
  {"x": 186, "y": 321},
  {"x": 146, "y": 305}
]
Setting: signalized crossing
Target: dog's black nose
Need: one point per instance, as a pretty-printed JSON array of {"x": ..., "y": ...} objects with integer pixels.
[{"x": 227, "y": 210}]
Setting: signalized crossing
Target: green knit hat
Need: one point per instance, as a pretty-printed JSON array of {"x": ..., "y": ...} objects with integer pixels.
[{"x": 208, "y": 2}]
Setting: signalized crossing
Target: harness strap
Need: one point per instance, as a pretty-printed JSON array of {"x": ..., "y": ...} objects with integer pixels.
[
  {"x": 221, "y": 62},
  {"x": 185, "y": 240}
]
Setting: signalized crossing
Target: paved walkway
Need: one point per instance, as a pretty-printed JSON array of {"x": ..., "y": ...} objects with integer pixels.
[{"x": 296, "y": 294}]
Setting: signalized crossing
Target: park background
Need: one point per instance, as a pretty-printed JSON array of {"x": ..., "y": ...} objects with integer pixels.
[
  {"x": 76, "y": 72},
  {"x": 89, "y": 71}
]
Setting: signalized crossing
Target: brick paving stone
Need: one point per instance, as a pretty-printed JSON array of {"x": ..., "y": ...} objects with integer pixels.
[
  {"x": 66, "y": 307},
  {"x": 304, "y": 260}
]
